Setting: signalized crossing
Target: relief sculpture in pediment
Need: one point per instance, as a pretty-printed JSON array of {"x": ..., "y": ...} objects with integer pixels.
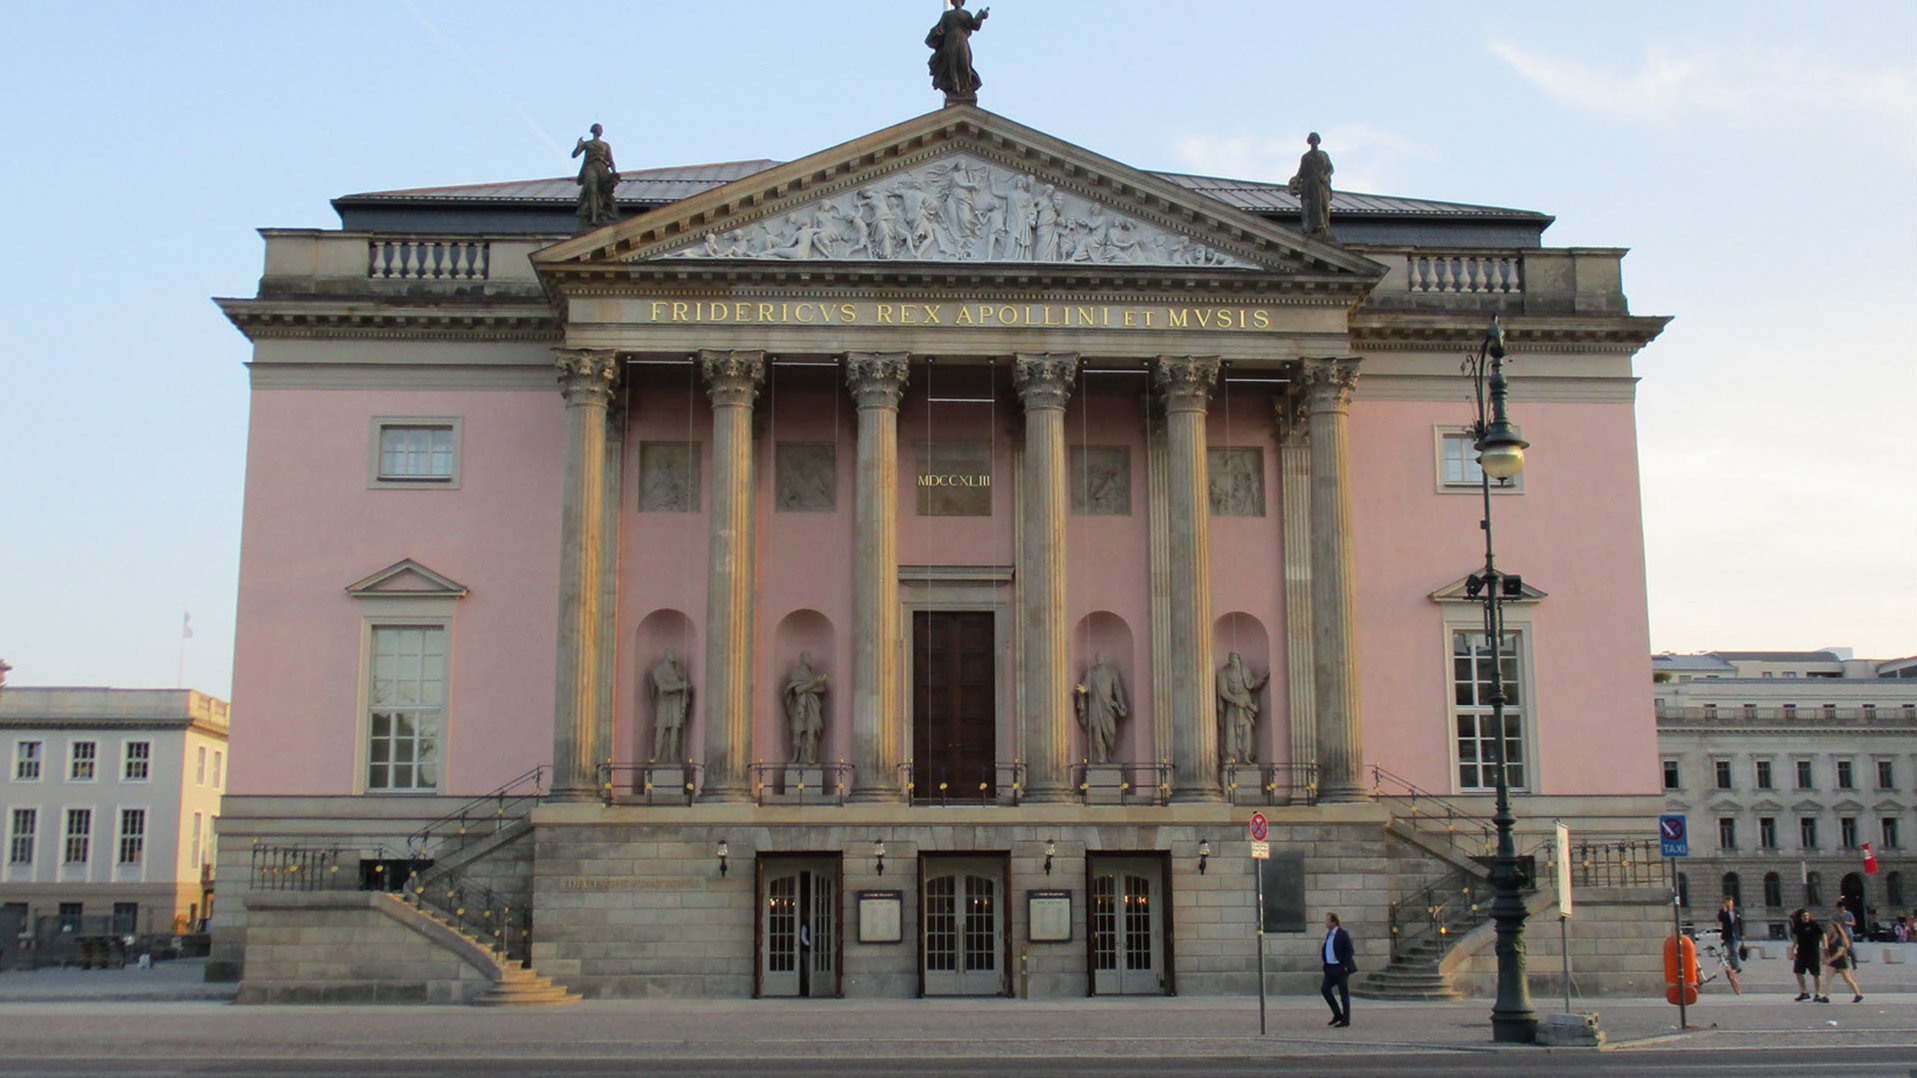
[{"x": 960, "y": 209}]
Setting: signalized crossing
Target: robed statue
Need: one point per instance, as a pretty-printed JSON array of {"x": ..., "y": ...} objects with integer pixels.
[
  {"x": 1238, "y": 707},
  {"x": 951, "y": 45},
  {"x": 598, "y": 180},
  {"x": 1100, "y": 701},
  {"x": 671, "y": 692},
  {"x": 804, "y": 691},
  {"x": 1312, "y": 185}
]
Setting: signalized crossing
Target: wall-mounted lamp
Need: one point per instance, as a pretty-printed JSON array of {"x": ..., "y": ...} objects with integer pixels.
[
  {"x": 725, "y": 851},
  {"x": 1051, "y": 848},
  {"x": 878, "y": 851},
  {"x": 1204, "y": 854}
]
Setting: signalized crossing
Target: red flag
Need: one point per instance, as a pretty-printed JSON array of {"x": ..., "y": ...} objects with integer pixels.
[{"x": 1870, "y": 860}]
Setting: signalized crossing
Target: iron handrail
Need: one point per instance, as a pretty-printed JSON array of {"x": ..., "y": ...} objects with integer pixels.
[
  {"x": 773, "y": 784},
  {"x": 984, "y": 785},
  {"x": 1275, "y": 784},
  {"x": 650, "y": 783},
  {"x": 1430, "y": 813},
  {"x": 1118, "y": 784},
  {"x": 507, "y": 804}
]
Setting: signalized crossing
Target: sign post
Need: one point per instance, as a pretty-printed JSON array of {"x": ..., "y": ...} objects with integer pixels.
[
  {"x": 1260, "y": 853},
  {"x": 1564, "y": 906},
  {"x": 1674, "y": 841}
]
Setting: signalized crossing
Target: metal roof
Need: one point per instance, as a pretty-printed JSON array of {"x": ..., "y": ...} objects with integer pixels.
[
  {"x": 660, "y": 186},
  {"x": 1778, "y": 656}
]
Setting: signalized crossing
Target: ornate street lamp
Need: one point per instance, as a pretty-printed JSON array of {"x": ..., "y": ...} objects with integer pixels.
[{"x": 1501, "y": 457}]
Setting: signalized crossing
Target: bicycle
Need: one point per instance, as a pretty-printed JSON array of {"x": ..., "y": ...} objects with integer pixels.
[{"x": 1724, "y": 969}]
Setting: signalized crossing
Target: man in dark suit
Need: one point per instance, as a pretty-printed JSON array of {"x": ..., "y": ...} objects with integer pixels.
[{"x": 1338, "y": 970}]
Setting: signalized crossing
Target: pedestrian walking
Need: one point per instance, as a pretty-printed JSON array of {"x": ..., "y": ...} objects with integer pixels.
[
  {"x": 1840, "y": 953},
  {"x": 1730, "y": 934},
  {"x": 1338, "y": 970},
  {"x": 1807, "y": 942}
]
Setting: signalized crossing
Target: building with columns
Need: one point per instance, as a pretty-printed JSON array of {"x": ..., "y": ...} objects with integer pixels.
[{"x": 928, "y": 435}]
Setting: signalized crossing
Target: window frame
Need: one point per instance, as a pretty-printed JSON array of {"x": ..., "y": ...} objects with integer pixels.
[
  {"x": 1721, "y": 776},
  {"x": 1849, "y": 835},
  {"x": 1763, "y": 775},
  {"x": 1844, "y": 773},
  {"x": 1767, "y": 833},
  {"x": 1727, "y": 833},
  {"x": 15, "y": 836},
  {"x": 38, "y": 760},
  {"x": 1888, "y": 829},
  {"x": 1807, "y": 832},
  {"x": 122, "y": 836},
  {"x": 377, "y": 477},
  {"x": 1442, "y": 437},
  {"x": 397, "y": 618},
  {"x": 128, "y": 759},
  {"x": 68, "y": 837},
  {"x": 1886, "y": 773},
  {"x": 1673, "y": 773},
  {"x": 1517, "y": 623},
  {"x": 92, "y": 760},
  {"x": 1804, "y": 771}
]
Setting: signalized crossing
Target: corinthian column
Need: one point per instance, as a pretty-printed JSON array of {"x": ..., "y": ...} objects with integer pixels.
[
  {"x": 586, "y": 376},
  {"x": 1328, "y": 386},
  {"x": 1185, "y": 382},
  {"x": 732, "y": 381},
  {"x": 877, "y": 381},
  {"x": 1292, "y": 412},
  {"x": 1044, "y": 381}
]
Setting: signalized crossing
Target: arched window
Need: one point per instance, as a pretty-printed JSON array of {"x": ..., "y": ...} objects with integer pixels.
[
  {"x": 1814, "y": 890},
  {"x": 1773, "y": 891},
  {"x": 1733, "y": 888},
  {"x": 1894, "y": 889},
  {"x": 1684, "y": 890}
]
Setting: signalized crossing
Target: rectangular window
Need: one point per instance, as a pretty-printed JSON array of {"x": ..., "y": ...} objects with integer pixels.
[
  {"x": 199, "y": 823},
  {"x": 1671, "y": 775},
  {"x": 1750, "y": 711},
  {"x": 26, "y": 760},
  {"x": 1847, "y": 832},
  {"x": 1807, "y": 832},
  {"x": 132, "y": 836},
  {"x": 1721, "y": 771},
  {"x": 79, "y": 846},
  {"x": 1477, "y": 730},
  {"x": 139, "y": 760},
  {"x": 1846, "y": 775},
  {"x": 70, "y": 914},
  {"x": 126, "y": 918},
  {"x": 1888, "y": 832},
  {"x": 416, "y": 452},
  {"x": 1767, "y": 833},
  {"x": 1726, "y": 833},
  {"x": 1886, "y": 775},
  {"x": 219, "y": 767},
  {"x": 199, "y": 766},
  {"x": 21, "y": 840},
  {"x": 81, "y": 761},
  {"x": 408, "y": 687},
  {"x": 1763, "y": 774},
  {"x": 1804, "y": 775}
]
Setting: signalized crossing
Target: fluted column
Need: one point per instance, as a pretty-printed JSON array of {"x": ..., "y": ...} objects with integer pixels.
[
  {"x": 1186, "y": 382},
  {"x": 1292, "y": 413},
  {"x": 1328, "y": 385},
  {"x": 1044, "y": 382},
  {"x": 586, "y": 377},
  {"x": 877, "y": 381},
  {"x": 732, "y": 381}
]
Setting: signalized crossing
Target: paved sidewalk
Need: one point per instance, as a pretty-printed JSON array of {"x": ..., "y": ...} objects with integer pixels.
[{"x": 177, "y": 980}]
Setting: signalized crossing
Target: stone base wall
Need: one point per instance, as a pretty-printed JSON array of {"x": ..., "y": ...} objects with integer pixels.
[
  {"x": 1616, "y": 936},
  {"x": 356, "y": 947}
]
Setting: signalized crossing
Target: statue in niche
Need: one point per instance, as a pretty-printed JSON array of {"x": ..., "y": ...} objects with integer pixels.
[
  {"x": 1238, "y": 707},
  {"x": 951, "y": 60},
  {"x": 1100, "y": 703},
  {"x": 804, "y": 695},
  {"x": 671, "y": 692},
  {"x": 1312, "y": 185},
  {"x": 598, "y": 180}
]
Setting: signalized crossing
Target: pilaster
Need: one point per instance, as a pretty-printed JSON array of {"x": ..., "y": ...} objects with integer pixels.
[
  {"x": 1186, "y": 382},
  {"x": 1044, "y": 382},
  {"x": 877, "y": 382},
  {"x": 1328, "y": 387},
  {"x": 1292, "y": 414},
  {"x": 732, "y": 382},
  {"x": 586, "y": 379}
]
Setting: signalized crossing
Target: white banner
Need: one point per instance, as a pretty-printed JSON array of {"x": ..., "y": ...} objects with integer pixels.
[{"x": 1564, "y": 869}]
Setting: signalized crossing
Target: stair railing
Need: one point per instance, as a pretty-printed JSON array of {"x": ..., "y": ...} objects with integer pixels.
[
  {"x": 497, "y": 921},
  {"x": 1436, "y": 915},
  {"x": 1469, "y": 833},
  {"x": 484, "y": 815}
]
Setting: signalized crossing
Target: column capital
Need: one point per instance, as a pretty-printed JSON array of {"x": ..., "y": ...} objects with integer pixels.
[
  {"x": 732, "y": 378},
  {"x": 586, "y": 375},
  {"x": 1291, "y": 411},
  {"x": 1329, "y": 382},
  {"x": 876, "y": 379},
  {"x": 1185, "y": 381},
  {"x": 1044, "y": 379}
]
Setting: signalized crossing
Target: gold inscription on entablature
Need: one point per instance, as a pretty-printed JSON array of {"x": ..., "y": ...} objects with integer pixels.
[{"x": 958, "y": 315}]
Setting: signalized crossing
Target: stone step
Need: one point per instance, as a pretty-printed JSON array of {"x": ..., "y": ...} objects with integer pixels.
[{"x": 556, "y": 997}]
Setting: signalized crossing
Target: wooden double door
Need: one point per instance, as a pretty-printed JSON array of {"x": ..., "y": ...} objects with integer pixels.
[{"x": 954, "y": 705}]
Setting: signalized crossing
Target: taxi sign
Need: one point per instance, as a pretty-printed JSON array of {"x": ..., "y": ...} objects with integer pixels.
[
  {"x": 1260, "y": 827},
  {"x": 1673, "y": 837},
  {"x": 1261, "y": 851}
]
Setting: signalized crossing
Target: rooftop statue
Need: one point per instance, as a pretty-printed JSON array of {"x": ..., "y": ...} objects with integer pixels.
[
  {"x": 598, "y": 179},
  {"x": 951, "y": 45},
  {"x": 1312, "y": 185}
]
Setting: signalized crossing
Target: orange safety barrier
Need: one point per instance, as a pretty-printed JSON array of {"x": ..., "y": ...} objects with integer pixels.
[{"x": 1671, "y": 963}]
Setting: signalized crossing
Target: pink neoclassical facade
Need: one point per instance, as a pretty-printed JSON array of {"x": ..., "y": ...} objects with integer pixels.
[{"x": 968, "y": 419}]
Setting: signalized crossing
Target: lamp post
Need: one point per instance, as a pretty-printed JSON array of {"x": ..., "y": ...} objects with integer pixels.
[{"x": 1501, "y": 457}]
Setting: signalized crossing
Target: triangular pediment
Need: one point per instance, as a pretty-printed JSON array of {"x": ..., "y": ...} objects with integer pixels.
[
  {"x": 407, "y": 579},
  {"x": 960, "y": 186},
  {"x": 1459, "y": 591}
]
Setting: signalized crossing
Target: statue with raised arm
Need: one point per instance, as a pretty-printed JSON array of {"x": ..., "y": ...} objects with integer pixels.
[
  {"x": 804, "y": 691},
  {"x": 1238, "y": 708},
  {"x": 1100, "y": 703},
  {"x": 671, "y": 692},
  {"x": 1312, "y": 185},
  {"x": 598, "y": 180},
  {"x": 951, "y": 61}
]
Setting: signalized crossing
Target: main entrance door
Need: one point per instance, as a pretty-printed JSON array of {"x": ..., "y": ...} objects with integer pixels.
[
  {"x": 954, "y": 712},
  {"x": 798, "y": 928},
  {"x": 964, "y": 927},
  {"x": 1128, "y": 927}
]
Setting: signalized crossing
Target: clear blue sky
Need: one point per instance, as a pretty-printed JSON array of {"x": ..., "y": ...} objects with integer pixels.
[{"x": 1760, "y": 159}]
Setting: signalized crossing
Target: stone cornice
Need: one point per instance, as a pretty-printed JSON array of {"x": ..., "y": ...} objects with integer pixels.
[
  {"x": 262, "y": 319},
  {"x": 1463, "y": 331}
]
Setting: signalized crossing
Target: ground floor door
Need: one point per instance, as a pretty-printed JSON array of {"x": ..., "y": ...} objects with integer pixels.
[
  {"x": 1127, "y": 927},
  {"x": 963, "y": 926},
  {"x": 954, "y": 713},
  {"x": 798, "y": 927}
]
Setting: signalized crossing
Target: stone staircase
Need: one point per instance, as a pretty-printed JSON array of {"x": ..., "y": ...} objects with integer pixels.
[
  {"x": 1415, "y": 974},
  {"x": 516, "y": 985}
]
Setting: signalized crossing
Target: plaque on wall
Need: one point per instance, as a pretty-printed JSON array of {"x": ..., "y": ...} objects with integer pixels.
[
  {"x": 1237, "y": 481},
  {"x": 805, "y": 477},
  {"x": 1048, "y": 916},
  {"x": 954, "y": 479},
  {"x": 879, "y": 917},
  {"x": 1284, "y": 881},
  {"x": 668, "y": 477},
  {"x": 1102, "y": 480}
]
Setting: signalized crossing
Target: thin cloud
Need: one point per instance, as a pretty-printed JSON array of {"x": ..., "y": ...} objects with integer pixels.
[{"x": 472, "y": 68}]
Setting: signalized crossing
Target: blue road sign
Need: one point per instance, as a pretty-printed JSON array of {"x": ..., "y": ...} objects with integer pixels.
[{"x": 1673, "y": 838}]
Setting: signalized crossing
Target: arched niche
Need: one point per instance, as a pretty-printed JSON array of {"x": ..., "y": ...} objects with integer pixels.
[
  {"x": 799, "y": 632},
  {"x": 1102, "y": 632},
  {"x": 662, "y": 629},
  {"x": 1242, "y": 633}
]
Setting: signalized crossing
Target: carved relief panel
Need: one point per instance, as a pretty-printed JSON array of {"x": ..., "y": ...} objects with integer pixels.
[
  {"x": 1101, "y": 480},
  {"x": 805, "y": 477},
  {"x": 668, "y": 477},
  {"x": 1237, "y": 481}
]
